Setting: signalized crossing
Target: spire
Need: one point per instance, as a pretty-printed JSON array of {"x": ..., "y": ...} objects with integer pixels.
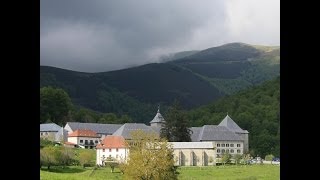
[{"x": 158, "y": 118}]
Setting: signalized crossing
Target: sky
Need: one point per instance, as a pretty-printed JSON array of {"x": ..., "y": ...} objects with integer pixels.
[{"x": 106, "y": 35}]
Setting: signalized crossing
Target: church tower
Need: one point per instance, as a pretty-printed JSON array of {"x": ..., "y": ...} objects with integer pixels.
[{"x": 158, "y": 120}]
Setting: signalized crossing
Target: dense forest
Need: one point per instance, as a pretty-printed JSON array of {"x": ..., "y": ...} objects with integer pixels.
[
  {"x": 196, "y": 78},
  {"x": 256, "y": 109}
]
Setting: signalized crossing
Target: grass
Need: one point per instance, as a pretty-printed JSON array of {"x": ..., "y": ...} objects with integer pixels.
[
  {"x": 252, "y": 172},
  {"x": 79, "y": 173}
]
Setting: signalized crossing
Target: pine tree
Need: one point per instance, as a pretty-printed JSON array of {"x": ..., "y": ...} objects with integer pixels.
[{"x": 176, "y": 127}]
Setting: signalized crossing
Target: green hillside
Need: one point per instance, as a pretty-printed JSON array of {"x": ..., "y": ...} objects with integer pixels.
[
  {"x": 135, "y": 91},
  {"x": 235, "y": 66},
  {"x": 256, "y": 109},
  {"x": 200, "y": 77}
]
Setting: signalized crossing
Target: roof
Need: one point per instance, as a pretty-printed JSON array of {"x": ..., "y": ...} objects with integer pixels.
[
  {"x": 195, "y": 133},
  {"x": 158, "y": 118},
  {"x": 69, "y": 143},
  {"x": 49, "y": 127},
  {"x": 230, "y": 124},
  {"x": 111, "y": 141},
  {"x": 127, "y": 128},
  {"x": 213, "y": 133},
  {"x": 83, "y": 133},
  {"x": 97, "y": 127},
  {"x": 192, "y": 145}
]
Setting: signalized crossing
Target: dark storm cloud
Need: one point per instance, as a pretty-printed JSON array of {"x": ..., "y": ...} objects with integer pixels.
[{"x": 102, "y": 35}]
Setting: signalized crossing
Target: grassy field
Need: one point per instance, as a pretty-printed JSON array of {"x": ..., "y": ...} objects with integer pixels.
[{"x": 252, "y": 172}]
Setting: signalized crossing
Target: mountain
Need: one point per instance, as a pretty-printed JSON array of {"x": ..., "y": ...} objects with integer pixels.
[
  {"x": 195, "y": 80},
  {"x": 256, "y": 109},
  {"x": 234, "y": 66},
  {"x": 178, "y": 55},
  {"x": 134, "y": 91}
]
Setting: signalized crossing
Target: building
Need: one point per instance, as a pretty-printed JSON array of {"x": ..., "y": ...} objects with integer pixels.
[
  {"x": 209, "y": 142},
  {"x": 102, "y": 130},
  {"x": 84, "y": 137},
  {"x": 158, "y": 120},
  {"x": 224, "y": 140},
  {"x": 232, "y": 126},
  {"x": 61, "y": 135},
  {"x": 49, "y": 130},
  {"x": 112, "y": 147},
  {"x": 126, "y": 129},
  {"x": 194, "y": 153}
]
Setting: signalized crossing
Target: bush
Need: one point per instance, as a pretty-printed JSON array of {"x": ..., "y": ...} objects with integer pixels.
[{"x": 269, "y": 157}]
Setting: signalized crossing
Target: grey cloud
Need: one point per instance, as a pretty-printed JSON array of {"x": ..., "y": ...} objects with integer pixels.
[{"x": 99, "y": 35}]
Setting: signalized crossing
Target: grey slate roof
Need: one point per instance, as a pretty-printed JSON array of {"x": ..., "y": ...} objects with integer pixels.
[
  {"x": 49, "y": 127},
  {"x": 218, "y": 133},
  {"x": 192, "y": 145},
  {"x": 230, "y": 124},
  {"x": 127, "y": 128},
  {"x": 158, "y": 118},
  {"x": 96, "y": 127},
  {"x": 62, "y": 134},
  {"x": 195, "y": 133},
  {"x": 213, "y": 133}
]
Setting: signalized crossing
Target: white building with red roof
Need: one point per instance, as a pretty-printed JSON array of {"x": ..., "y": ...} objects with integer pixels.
[
  {"x": 84, "y": 137},
  {"x": 111, "y": 147}
]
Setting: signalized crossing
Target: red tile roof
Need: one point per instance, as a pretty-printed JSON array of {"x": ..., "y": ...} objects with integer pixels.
[
  {"x": 69, "y": 143},
  {"x": 83, "y": 133},
  {"x": 112, "y": 142}
]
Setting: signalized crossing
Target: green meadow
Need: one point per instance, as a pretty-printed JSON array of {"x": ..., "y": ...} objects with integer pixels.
[{"x": 249, "y": 172}]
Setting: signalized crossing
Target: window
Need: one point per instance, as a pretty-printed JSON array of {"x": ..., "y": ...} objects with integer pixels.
[
  {"x": 227, "y": 151},
  {"x": 223, "y": 150},
  {"x": 109, "y": 155},
  {"x": 238, "y": 145},
  {"x": 103, "y": 150},
  {"x": 218, "y": 150},
  {"x": 231, "y": 145},
  {"x": 238, "y": 151},
  {"x": 232, "y": 151},
  {"x": 96, "y": 141},
  {"x": 117, "y": 156},
  {"x": 117, "y": 150},
  {"x": 41, "y": 134},
  {"x": 85, "y": 141},
  {"x": 218, "y": 145},
  {"x": 227, "y": 145},
  {"x": 46, "y": 133},
  {"x": 81, "y": 141},
  {"x": 109, "y": 150},
  {"x": 222, "y": 145}
]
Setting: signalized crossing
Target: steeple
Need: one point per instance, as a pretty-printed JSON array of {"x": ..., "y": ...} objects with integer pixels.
[
  {"x": 158, "y": 120},
  {"x": 231, "y": 125}
]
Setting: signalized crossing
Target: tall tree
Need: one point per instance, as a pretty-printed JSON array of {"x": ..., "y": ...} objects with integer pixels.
[
  {"x": 176, "y": 127},
  {"x": 150, "y": 158},
  {"x": 55, "y": 105}
]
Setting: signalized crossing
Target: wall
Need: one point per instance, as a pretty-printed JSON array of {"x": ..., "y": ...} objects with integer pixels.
[
  {"x": 234, "y": 148},
  {"x": 50, "y": 135},
  {"x": 76, "y": 140},
  {"x": 122, "y": 154},
  {"x": 194, "y": 157}
]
